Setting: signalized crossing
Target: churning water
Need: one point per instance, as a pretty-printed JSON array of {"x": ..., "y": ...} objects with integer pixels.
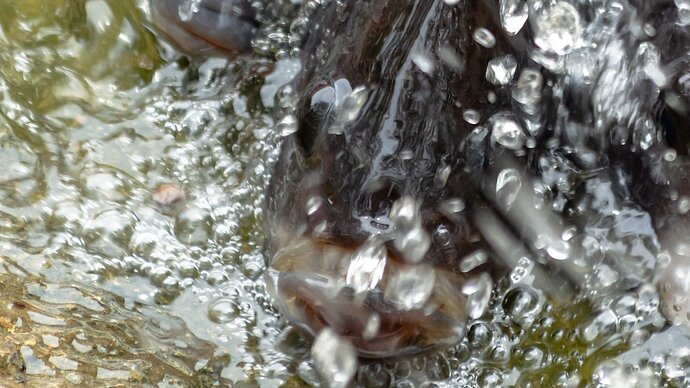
[{"x": 131, "y": 195}]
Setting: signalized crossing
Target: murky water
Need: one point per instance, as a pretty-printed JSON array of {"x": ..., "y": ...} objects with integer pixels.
[{"x": 131, "y": 200}]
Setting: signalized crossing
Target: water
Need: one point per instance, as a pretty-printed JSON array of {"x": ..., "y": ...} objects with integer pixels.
[{"x": 131, "y": 200}]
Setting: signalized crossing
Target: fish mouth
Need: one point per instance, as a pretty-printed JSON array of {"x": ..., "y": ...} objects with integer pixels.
[{"x": 311, "y": 287}]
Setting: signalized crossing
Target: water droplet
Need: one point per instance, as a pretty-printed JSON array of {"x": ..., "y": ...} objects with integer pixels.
[
  {"x": 334, "y": 358},
  {"x": 670, "y": 155},
  {"x": 532, "y": 357},
  {"x": 367, "y": 267},
  {"x": 513, "y": 15},
  {"x": 471, "y": 116},
  {"x": 404, "y": 212},
  {"x": 473, "y": 260},
  {"x": 372, "y": 327},
  {"x": 521, "y": 302},
  {"x": 491, "y": 97},
  {"x": 558, "y": 249},
  {"x": 508, "y": 185},
  {"x": 507, "y": 132},
  {"x": 683, "y": 204},
  {"x": 683, "y": 12},
  {"x": 450, "y": 58},
  {"x": 484, "y": 37},
  {"x": 557, "y": 28},
  {"x": 442, "y": 175},
  {"x": 313, "y": 204},
  {"x": 527, "y": 91},
  {"x": 352, "y": 104},
  {"x": 187, "y": 8},
  {"x": 423, "y": 61},
  {"x": 649, "y": 58},
  {"x": 601, "y": 327},
  {"x": 479, "y": 335},
  {"x": 478, "y": 291},
  {"x": 413, "y": 244},
  {"x": 500, "y": 71},
  {"x": 451, "y": 208},
  {"x": 411, "y": 287},
  {"x": 287, "y": 125}
]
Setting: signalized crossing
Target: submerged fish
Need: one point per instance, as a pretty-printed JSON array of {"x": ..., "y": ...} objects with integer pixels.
[{"x": 391, "y": 213}]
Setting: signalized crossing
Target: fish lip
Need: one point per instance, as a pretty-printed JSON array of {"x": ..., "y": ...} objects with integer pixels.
[{"x": 313, "y": 298}]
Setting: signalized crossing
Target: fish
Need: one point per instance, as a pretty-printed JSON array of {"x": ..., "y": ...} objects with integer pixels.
[
  {"x": 391, "y": 214},
  {"x": 365, "y": 221}
]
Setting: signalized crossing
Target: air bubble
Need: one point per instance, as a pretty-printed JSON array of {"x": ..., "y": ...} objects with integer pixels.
[
  {"x": 500, "y": 71},
  {"x": 471, "y": 116},
  {"x": 411, "y": 287},
  {"x": 473, "y": 260},
  {"x": 334, "y": 358},
  {"x": 557, "y": 28},
  {"x": 507, "y": 132},
  {"x": 484, "y": 37},
  {"x": 508, "y": 185},
  {"x": 478, "y": 291},
  {"x": 367, "y": 267},
  {"x": 513, "y": 15}
]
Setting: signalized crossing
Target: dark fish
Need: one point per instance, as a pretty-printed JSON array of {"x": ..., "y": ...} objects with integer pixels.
[{"x": 365, "y": 219}]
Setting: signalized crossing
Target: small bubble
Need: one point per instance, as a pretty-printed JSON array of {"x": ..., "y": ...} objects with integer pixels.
[
  {"x": 521, "y": 302},
  {"x": 479, "y": 335},
  {"x": 471, "y": 116},
  {"x": 484, "y": 37},
  {"x": 683, "y": 204},
  {"x": 223, "y": 310}
]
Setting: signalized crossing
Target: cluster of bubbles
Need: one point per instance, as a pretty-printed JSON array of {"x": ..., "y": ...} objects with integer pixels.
[{"x": 133, "y": 190}]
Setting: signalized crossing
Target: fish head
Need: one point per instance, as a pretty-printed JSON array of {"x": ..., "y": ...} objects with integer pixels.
[{"x": 365, "y": 212}]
